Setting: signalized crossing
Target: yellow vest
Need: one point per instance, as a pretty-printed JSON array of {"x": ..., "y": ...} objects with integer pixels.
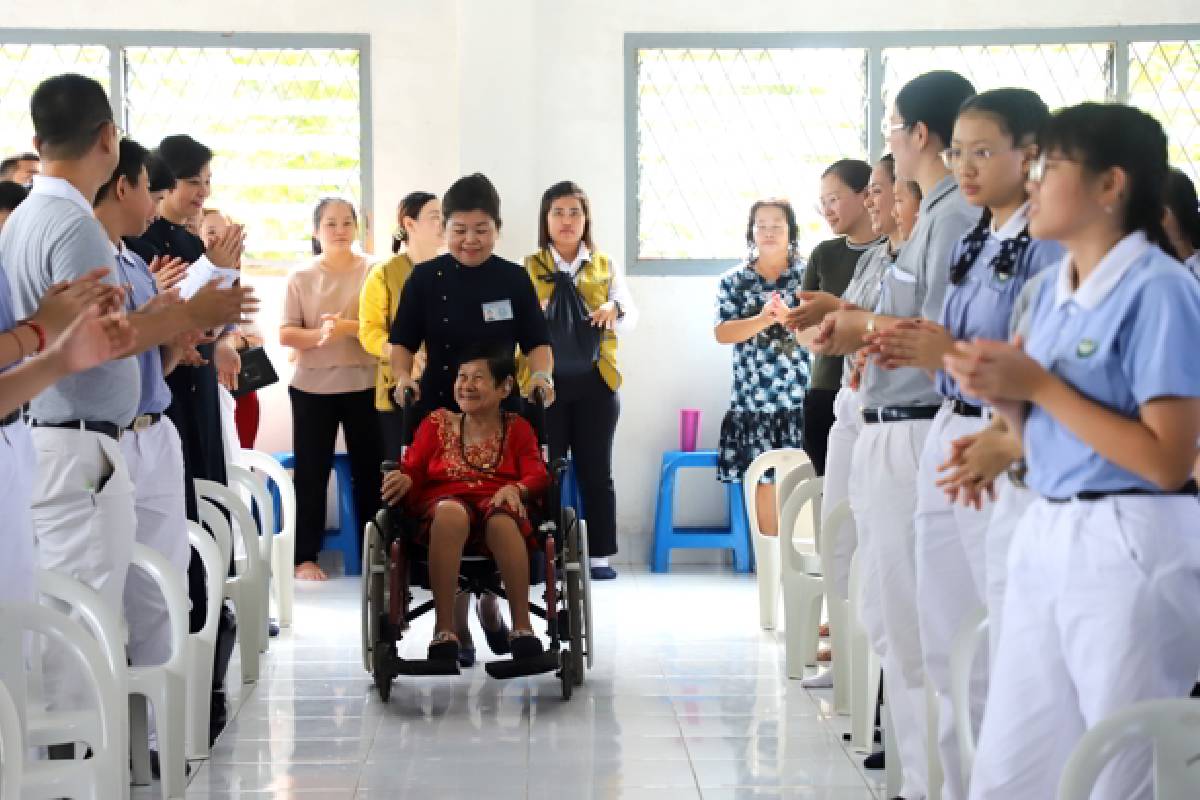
[
  {"x": 592, "y": 280},
  {"x": 376, "y": 310}
]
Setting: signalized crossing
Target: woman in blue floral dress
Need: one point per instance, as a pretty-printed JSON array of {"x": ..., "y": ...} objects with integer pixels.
[{"x": 770, "y": 369}]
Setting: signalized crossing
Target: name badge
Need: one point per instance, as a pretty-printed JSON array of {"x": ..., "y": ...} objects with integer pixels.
[{"x": 497, "y": 311}]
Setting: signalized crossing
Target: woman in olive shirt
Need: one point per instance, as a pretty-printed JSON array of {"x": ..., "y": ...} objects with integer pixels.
[
  {"x": 828, "y": 273},
  {"x": 417, "y": 239}
]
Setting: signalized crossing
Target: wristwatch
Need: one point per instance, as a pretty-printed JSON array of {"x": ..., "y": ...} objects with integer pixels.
[
  {"x": 870, "y": 324},
  {"x": 620, "y": 311},
  {"x": 545, "y": 376}
]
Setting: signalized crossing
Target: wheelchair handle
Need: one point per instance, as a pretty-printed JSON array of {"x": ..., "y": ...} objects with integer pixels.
[
  {"x": 537, "y": 399},
  {"x": 389, "y": 466}
]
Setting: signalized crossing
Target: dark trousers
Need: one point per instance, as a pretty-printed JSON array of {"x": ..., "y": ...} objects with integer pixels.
[
  {"x": 315, "y": 421},
  {"x": 818, "y": 419},
  {"x": 391, "y": 425},
  {"x": 583, "y": 420}
]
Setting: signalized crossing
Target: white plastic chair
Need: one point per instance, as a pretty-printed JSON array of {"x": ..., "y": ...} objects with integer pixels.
[
  {"x": 283, "y": 554},
  {"x": 164, "y": 686},
  {"x": 1171, "y": 726},
  {"x": 865, "y": 668},
  {"x": 766, "y": 548},
  {"x": 45, "y": 727},
  {"x": 967, "y": 642},
  {"x": 838, "y": 608},
  {"x": 254, "y": 486},
  {"x": 100, "y": 777},
  {"x": 12, "y": 747},
  {"x": 202, "y": 645},
  {"x": 244, "y": 588},
  {"x": 803, "y": 585}
]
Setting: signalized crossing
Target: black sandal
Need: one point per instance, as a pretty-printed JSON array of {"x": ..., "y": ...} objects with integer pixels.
[
  {"x": 525, "y": 644},
  {"x": 444, "y": 647}
]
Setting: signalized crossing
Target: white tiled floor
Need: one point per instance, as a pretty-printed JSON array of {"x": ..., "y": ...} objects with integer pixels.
[{"x": 687, "y": 700}]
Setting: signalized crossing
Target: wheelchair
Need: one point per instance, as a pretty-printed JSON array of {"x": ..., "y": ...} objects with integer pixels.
[{"x": 394, "y": 564}]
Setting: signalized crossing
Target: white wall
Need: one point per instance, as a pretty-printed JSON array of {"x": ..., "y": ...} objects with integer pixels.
[{"x": 530, "y": 92}]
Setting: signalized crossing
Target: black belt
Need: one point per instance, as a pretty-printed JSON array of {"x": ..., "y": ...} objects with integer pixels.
[
  {"x": 9, "y": 419},
  {"x": 965, "y": 409},
  {"x": 143, "y": 421},
  {"x": 1188, "y": 489},
  {"x": 898, "y": 413},
  {"x": 107, "y": 428}
]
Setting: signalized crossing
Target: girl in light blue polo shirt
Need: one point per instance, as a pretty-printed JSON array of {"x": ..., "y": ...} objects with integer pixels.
[{"x": 1104, "y": 572}]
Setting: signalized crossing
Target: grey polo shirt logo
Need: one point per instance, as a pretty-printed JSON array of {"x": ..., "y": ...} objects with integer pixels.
[{"x": 1086, "y": 348}]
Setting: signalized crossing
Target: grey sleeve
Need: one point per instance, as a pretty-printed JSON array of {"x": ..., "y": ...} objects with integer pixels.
[
  {"x": 1020, "y": 319},
  {"x": 944, "y": 235},
  {"x": 80, "y": 247}
]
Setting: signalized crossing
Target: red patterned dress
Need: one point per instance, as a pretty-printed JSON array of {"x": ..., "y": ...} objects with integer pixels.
[{"x": 442, "y": 469}]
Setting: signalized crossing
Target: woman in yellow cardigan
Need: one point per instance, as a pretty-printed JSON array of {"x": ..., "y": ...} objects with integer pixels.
[
  {"x": 418, "y": 238},
  {"x": 584, "y": 416}
]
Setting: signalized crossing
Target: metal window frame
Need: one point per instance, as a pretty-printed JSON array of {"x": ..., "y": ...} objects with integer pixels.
[
  {"x": 874, "y": 42},
  {"x": 117, "y": 40}
]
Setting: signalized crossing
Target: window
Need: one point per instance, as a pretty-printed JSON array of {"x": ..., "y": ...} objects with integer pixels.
[
  {"x": 716, "y": 121},
  {"x": 284, "y": 117},
  {"x": 23, "y": 67}
]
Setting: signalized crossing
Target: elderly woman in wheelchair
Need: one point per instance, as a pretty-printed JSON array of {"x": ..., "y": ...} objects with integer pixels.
[{"x": 469, "y": 480}]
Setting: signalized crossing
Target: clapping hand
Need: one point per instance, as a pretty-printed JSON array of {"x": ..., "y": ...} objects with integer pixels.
[{"x": 168, "y": 272}]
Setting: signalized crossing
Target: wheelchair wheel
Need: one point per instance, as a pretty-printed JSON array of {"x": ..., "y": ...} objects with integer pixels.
[
  {"x": 373, "y": 583},
  {"x": 575, "y": 573},
  {"x": 566, "y": 675},
  {"x": 586, "y": 582}
]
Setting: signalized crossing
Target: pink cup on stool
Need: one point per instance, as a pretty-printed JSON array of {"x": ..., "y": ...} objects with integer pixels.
[{"x": 689, "y": 429}]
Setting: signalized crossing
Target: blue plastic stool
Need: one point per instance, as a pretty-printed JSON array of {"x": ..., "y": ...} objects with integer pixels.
[
  {"x": 347, "y": 537},
  {"x": 735, "y": 537}
]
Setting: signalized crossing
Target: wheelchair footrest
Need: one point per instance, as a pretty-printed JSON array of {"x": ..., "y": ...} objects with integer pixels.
[
  {"x": 425, "y": 667},
  {"x": 519, "y": 668}
]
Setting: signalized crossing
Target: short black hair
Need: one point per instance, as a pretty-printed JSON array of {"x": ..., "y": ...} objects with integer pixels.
[
  {"x": 1020, "y": 113},
  {"x": 500, "y": 362},
  {"x": 1101, "y": 136},
  {"x": 472, "y": 193},
  {"x": 9, "y": 165},
  {"x": 934, "y": 98},
  {"x": 11, "y": 195},
  {"x": 851, "y": 171},
  {"x": 183, "y": 155},
  {"x": 161, "y": 177},
  {"x": 789, "y": 214},
  {"x": 69, "y": 112},
  {"x": 888, "y": 162},
  {"x": 129, "y": 166}
]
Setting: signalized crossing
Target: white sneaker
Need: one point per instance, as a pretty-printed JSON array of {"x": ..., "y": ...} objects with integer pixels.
[{"x": 822, "y": 680}]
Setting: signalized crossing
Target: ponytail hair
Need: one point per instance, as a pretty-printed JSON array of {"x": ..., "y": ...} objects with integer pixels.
[
  {"x": 1101, "y": 136},
  {"x": 319, "y": 211},
  {"x": 1180, "y": 199},
  {"x": 410, "y": 208},
  {"x": 1020, "y": 113}
]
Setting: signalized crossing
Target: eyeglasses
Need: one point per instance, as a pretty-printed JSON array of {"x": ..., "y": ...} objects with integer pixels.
[
  {"x": 890, "y": 127},
  {"x": 953, "y": 156},
  {"x": 1037, "y": 170}
]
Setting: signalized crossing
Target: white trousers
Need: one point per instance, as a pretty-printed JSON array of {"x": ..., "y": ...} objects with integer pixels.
[
  {"x": 155, "y": 460},
  {"x": 951, "y": 583},
  {"x": 84, "y": 522},
  {"x": 18, "y": 464},
  {"x": 1100, "y": 613},
  {"x": 1012, "y": 502},
  {"x": 883, "y": 496},
  {"x": 843, "y": 434}
]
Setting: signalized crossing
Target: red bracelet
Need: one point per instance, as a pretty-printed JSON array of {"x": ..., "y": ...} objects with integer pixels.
[{"x": 39, "y": 331}]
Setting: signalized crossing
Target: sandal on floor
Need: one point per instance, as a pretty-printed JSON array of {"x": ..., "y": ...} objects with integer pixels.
[
  {"x": 466, "y": 657},
  {"x": 498, "y": 639},
  {"x": 444, "y": 647},
  {"x": 524, "y": 644}
]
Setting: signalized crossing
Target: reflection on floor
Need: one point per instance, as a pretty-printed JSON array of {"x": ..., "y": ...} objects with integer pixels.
[{"x": 688, "y": 699}]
